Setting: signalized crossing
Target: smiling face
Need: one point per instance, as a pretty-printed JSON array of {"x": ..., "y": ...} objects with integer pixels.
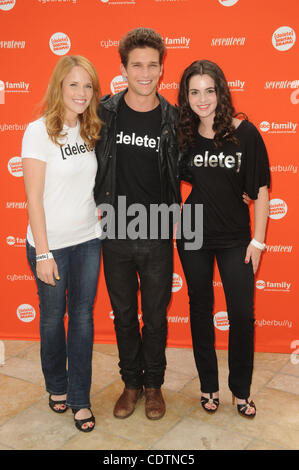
[
  {"x": 202, "y": 96},
  {"x": 143, "y": 71},
  {"x": 77, "y": 92}
]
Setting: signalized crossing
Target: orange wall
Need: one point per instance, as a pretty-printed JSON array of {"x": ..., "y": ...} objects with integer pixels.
[{"x": 255, "y": 44}]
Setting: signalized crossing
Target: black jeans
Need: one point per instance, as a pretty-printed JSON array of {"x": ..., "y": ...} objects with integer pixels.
[
  {"x": 141, "y": 354},
  {"x": 238, "y": 283}
]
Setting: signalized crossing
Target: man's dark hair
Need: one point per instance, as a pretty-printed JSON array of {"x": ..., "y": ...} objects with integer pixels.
[{"x": 140, "y": 38}]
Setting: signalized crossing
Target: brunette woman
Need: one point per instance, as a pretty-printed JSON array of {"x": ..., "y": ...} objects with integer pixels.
[{"x": 222, "y": 157}]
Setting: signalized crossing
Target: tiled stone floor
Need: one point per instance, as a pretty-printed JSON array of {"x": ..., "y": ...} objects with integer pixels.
[{"x": 27, "y": 423}]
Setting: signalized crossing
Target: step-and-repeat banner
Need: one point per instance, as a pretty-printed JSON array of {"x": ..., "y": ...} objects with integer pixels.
[{"x": 254, "y": 43}]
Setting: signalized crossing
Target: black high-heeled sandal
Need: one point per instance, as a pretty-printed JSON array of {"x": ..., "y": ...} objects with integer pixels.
[
  {"x": 212, "y": 401},
  {"x": 53, "y": 403},
  {"x": 244, "y": 407},
  {"x": 80, "y": 422}
]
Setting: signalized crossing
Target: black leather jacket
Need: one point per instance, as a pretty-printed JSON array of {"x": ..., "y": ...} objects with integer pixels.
[{"x": 105, "y": 191}]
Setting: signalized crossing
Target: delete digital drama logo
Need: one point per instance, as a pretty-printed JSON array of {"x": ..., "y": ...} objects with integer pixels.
[
  {"x": 15, "y": 167},
  {"x": 283, "y": 38},
  {"x": 228, "y": 3},
  {"x": 221, "y": 321},
  {"x": 60, "y": 43},
  {"x": 118, "y": 83},
  {"x": 7, "y": 4},
  {"x": 177, "y": 282},
  {"x": 26, "y": 313},
  {"x": 277, "y": 209},
  {"x": 2, "y": 92}
]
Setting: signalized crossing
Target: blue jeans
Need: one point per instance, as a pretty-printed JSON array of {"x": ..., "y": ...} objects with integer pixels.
[{"x": 66, "y": 361}]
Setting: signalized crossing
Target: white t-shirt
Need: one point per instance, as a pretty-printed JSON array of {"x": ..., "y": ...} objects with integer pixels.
[{"x": 70, "y": 209}]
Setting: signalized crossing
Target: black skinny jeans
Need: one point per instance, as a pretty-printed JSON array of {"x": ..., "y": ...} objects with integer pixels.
[
  {"x": 238, "y": 283},
  {"x": 141, "y": 354}
]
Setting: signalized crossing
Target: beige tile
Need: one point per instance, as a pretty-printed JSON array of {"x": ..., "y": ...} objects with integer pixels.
[
  {"x": 110, "y": 349},
  {"x": 104, "y": 371},
  {"x": 140, "y": 429},
  {"x": 32, "y": 353},
  {"x": 287, "y": 383},
  {"x": 100, "y": 440},
  {"x": 23, "y": 369},
  {"x": 17, "y": 395},
  {"x": 2, "y": 447},
  {"x": 290, "y": 368},
  {"x": 192, "y": 434},
  {"x": 175, "y": 380},
  {"x": 261, "y": 445},
  {"x": 179, "y": 359},
  {"x": 271, "y": 361},
  {"x": 12, "y": 348},
  {"x": 34, "y": 429}
]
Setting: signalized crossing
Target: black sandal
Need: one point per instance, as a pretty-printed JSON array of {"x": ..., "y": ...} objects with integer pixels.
[
  {"x": 244, "y": 407},
  {"x": 53, "y": 403},
  {"x": 212, "y": 401},
  {"x": 80, "y": 422}
]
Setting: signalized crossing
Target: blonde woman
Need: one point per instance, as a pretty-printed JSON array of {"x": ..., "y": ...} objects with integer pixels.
[{"x": 63, "y": 245}]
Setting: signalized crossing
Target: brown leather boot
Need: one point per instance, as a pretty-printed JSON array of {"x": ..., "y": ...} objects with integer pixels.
[
  {"x": 125, "y": 405},
  {"x": 154, "y": 403}
]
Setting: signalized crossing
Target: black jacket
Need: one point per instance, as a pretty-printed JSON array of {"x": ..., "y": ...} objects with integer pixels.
[{"x": 105, "y": 191}]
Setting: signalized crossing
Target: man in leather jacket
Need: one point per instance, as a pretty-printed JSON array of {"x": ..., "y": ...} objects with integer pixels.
[{"x": 137, "y": 159}]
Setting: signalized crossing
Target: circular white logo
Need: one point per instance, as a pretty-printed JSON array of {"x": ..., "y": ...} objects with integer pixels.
[
  {"x": 295, "y": 97},
  {"x": 228, "y": 3},
  {"x": 10, "y": 240},
  {"x": 26, "y": 313},
  {"x": 177, "y": 282},
  {"x": 260, "y": 284},
  {"x": 111, "y": 315},
  {"x": 283, "y": 38},
  {"x": 7, "y": 4},
  {"x": 277, "y": 209},
  {"x": 118, "y": 84},
  {"x": 104, "y": 1},
  {"x": 15, "y": 167},
  {"x": 2, "y": 85},
  {"x": 264, "y": 126},
  {"x": 221, "y": 321},
  {"x": 60, "y": 43}
]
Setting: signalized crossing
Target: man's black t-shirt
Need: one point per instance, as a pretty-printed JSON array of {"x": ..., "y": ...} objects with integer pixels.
[
  {"x": 219, "y": 178},
  {"x": 137, "y": 157}
]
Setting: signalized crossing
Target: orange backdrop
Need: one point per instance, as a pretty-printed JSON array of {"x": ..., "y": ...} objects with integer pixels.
[{"x": 255, "y": 44}]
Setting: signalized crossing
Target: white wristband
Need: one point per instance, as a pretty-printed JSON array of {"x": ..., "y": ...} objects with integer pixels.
[
  {"x": 257, "y": 244},
  {"x": 44, "y": 256}
]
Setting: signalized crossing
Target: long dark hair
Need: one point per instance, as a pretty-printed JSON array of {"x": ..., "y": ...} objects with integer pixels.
[{"x": 188, "y": 120}]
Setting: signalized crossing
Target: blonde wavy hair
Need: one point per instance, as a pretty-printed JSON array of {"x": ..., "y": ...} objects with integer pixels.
[{"x": 53, "y": 108}]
